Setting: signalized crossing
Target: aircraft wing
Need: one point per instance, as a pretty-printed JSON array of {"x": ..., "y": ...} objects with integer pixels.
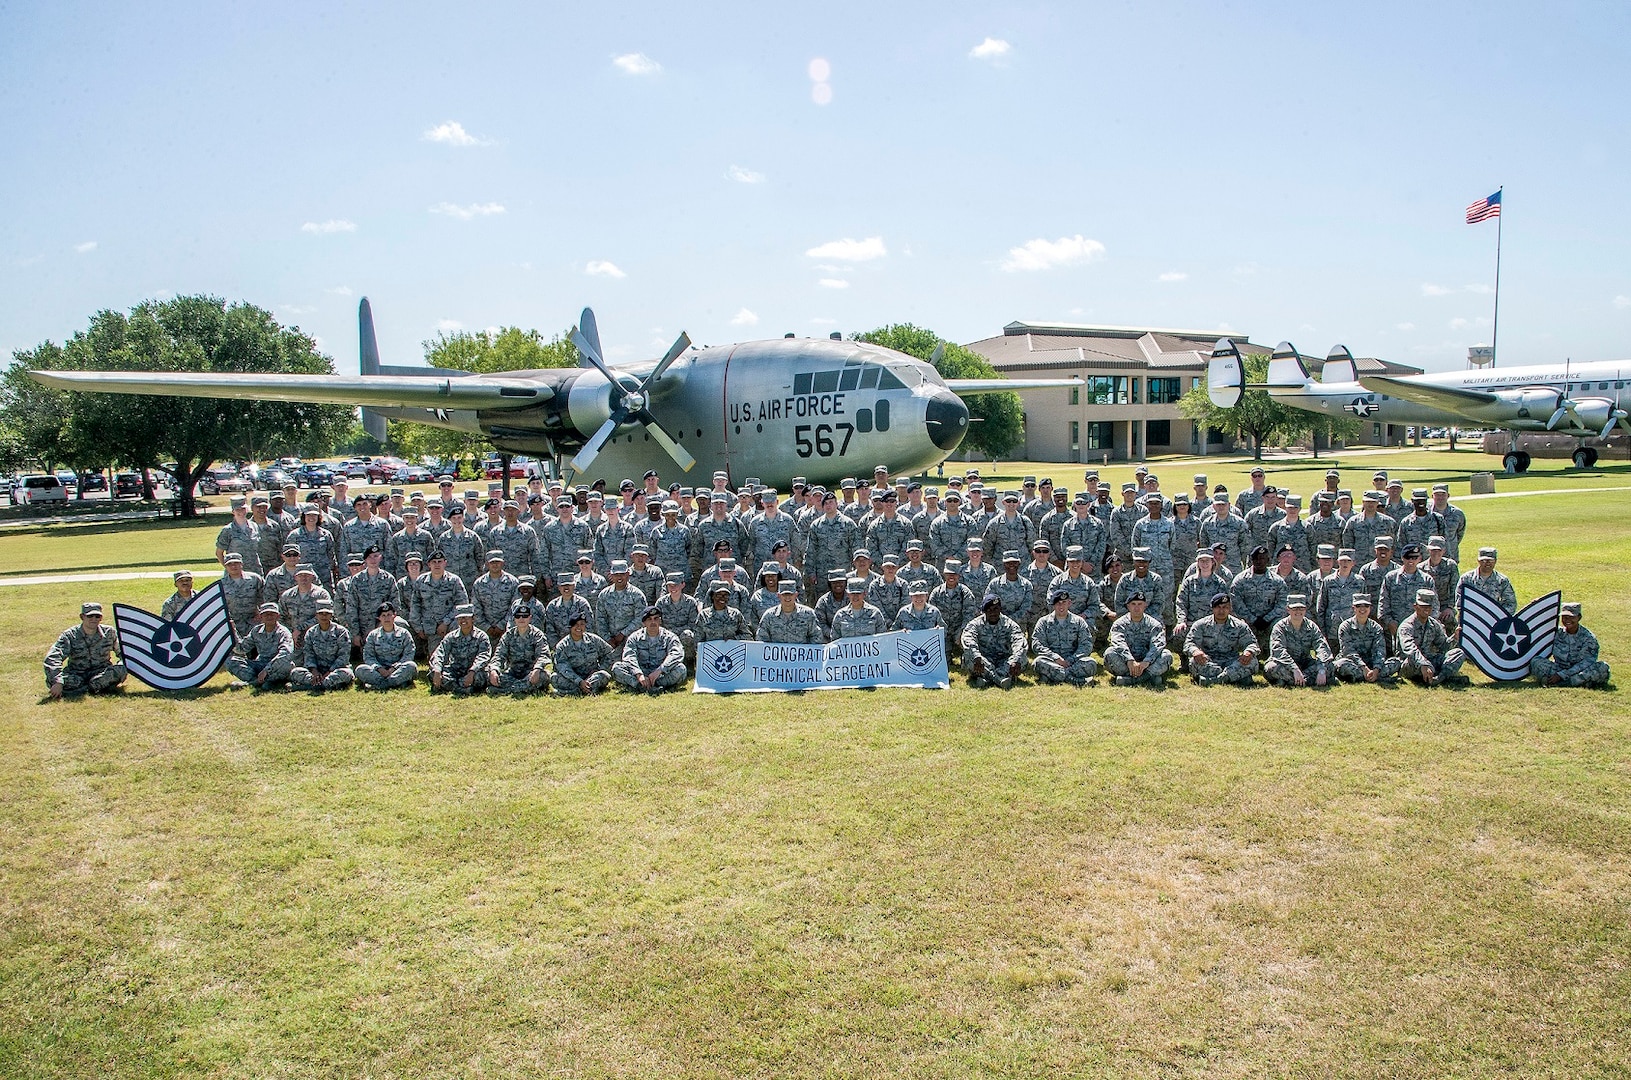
[
  {"x": 990, "y": 386},
  {"x": 1448, "y": 398},
  {"x": 452, "y": 392}
]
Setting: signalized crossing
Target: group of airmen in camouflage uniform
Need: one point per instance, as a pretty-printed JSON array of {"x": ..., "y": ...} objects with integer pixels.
[{"x": 343, "y": 591}]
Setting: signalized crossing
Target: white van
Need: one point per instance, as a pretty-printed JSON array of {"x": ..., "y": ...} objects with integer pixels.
[{"x": 38, "y": 488}]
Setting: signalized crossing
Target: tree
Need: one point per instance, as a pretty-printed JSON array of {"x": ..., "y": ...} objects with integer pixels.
[
  {"x": 1257, "y": 415},
  {"x": 1330, "y": 428},
  {"x": 188, "y": 333},
  {"x": 997, "y": 419},
  {"x": 484, "y": 352}
]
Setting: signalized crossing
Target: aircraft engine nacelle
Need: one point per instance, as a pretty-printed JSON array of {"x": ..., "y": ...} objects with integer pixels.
[
  {"x": 1592, "y": 413},
  {"x": 1534, "y": 403}
]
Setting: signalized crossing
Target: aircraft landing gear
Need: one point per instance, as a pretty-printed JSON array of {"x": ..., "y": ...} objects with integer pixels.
[
  {"x": 1516, "y": 461},
  {"x": 1585, "y": 457}
]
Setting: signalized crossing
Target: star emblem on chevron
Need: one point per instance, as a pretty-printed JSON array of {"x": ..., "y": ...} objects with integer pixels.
[
  {"x": 176, "y": 643},
  {"x": 1510, "y": 637}
]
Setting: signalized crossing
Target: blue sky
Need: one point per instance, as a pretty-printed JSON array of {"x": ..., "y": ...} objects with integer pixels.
[{"x": 1291, "y": 171}]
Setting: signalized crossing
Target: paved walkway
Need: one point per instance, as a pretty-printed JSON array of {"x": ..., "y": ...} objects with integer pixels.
[
  {"x": 65, "y": 579},
  {"x": 1543, "y": 491}
]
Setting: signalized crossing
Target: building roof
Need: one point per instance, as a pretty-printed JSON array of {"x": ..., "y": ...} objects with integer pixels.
[{"x": 1045, "y": 346}]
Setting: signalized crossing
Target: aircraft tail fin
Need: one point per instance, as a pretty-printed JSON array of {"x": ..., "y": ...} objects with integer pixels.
[
  {"x": 1339, "y": 367},
  {"x": 368, "y": 363},
  {"x": 1286, "y": 370},
  {"x": 1225, "y": 375}
]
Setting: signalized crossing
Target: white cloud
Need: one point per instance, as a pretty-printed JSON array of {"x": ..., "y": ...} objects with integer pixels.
[
  {"x": 466, "y": 213},
  {"x": 833, "y": 283},
  {"x": 1483, "y": 290},
  {"x": 339, "y": 290},
  {"x": 448, "y": 326},
  {"x": 296, "y": 309},
  {"x": 850, "y": 250},
  {"x": 1173, "y": 275},
  {"x": 452, "y": 133},
  {"x": 1042, "y": 254},
  {"x": 744, "y": 176},
  {"x": 1622, "y": 302},
  {"x": 332, "y": 225},
  {"x": 636, "y": 63},
  {"x": 85, "y": 248},
  {"x": 1459, "y": 324},
  {"x": 603, "y": 268},
  {"x": 1404, "y": 326},
  {"x": 819, "y": 70},
  {"x": 744, "y": 317},
  {"x": 821, "y": 93},
  {"x": 990, "y": 49},
  {"x": 1434, "y": 290}
]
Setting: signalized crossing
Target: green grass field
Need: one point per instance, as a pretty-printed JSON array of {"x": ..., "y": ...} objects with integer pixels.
[{"x": 1048, "y": 882}]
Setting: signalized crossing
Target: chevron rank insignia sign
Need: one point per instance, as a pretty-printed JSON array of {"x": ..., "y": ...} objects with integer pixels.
[
  {"x": 1503, "y": 645},
  {"x": 178, "y": 654}
]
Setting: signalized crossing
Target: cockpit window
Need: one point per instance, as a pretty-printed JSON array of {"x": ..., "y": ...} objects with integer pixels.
[
  {"x": 869, "y": 377},
  {"x": 888, "y": 380}
]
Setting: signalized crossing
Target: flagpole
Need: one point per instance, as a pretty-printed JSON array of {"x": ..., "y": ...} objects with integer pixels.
[{"x": 1495, "y": 329}]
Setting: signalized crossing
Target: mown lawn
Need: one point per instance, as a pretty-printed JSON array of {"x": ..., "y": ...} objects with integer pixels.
[{"x": 1041, "y": 883}]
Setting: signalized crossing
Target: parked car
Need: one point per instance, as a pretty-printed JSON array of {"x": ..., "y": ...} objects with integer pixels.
[
  {"x": 313, "y": 476},
  {"x": 381, "y": 470},
  {"x": 127, "y": 485},
  {"x": 93, "y": 481},
  {"x": 221, "y": 480},
  {"x": 356, "y": 470},
  {"x": 67, "y": 479},
  {"x": 413, "y": 474},
  {"x": 271, "y": 478},
  {"x": 38, "y": 488},
  {"x": 495, "y": 471}
]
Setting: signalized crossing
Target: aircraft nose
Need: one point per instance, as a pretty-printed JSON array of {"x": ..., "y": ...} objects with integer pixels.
[{"x": 947, "y": 419}]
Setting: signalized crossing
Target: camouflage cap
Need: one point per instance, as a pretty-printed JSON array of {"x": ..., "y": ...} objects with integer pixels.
[
  {"x": 1571, "y": 607},
  {"x": 187, "y": 575},
  {"x": 1487, "y": 553},
  {"x": 303, "y": 568},
  {"x": 495, "y": 555},
  {"x": 465, "y": 611},
  {"x": 1326, "y": 551},
  {"x": 268, "y": 609},
  {"x": 953, "y": 566},
  {"x": 526, "y": 581},
  {"x": 325, "y": 607},
  {"x": 674, "y": 577},
  {"x": 1426, "y": 596},
  {"x": 920, "y": 587},
  {"x": 788, "y": 587},
  {"x": 91, "y": 607},
  {"x": 232, "y": 557},
  {"x": 1297, "y": 599}
]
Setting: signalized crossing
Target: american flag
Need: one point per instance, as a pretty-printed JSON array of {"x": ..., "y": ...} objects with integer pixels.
[{"x": 1484, "y": 209}]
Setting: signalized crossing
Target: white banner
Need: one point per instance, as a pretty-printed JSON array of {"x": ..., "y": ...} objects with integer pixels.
[{"x": 902, "y": 658}]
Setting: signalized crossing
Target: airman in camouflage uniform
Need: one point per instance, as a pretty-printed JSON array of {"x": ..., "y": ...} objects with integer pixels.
[
  {"x": 1051, "y": 525},
  {"x": 583, "y": 661},
  {"x": 1122, "y": 520},
  {"x": 1262, "y": 517},
  {"x": 915, "y": 568},
  {"x": 717, "y": 526},
  {"x": 240, "y": 537},
  {"x": 1142, "y": 580},
  {"x": 888, "y": 592},
  {"x": 1489, "y": 581},
  {"x": 681, "y": 615},
  {"x": 1194, "y": 603},
  {"x": 949, "y": 533},
  {"x": 366, "y": 530},
  {"x": 82, "y": 660},
  {"x": 720, "y": 621},
  {"x": 267, "y": 654},
  {"x": 858, "y": 618},
  {"x": 832, "y": 540},
  {"x": 791, "y": 623},
  {"x": 412, "y": 540},
  {"x": 242, "y": 593},
  {"x": 317, "y": 544},
  {"x": 1573, "y": 660},
  {"x": 889, "y": 533},
  {"x": 764, "y": 597},
  {"x": 977, "y": 572},
  {"x": 179, "y": 599},
  {"x": 1186, "y": 536},
  {"x": 1299, "y": 655},
  {"x": 993, "y": 647},
  {"x": 1222, "y": 647},
  {"x": 437, "y": 595},
  {"x": 1039, "y": 574},
  {"x": 646, "y": 575},
  {"x": 1362, "y": 647},
  {"x": 1444, "y": 573},
  {"x": 1230, "y": 530},
  {"x": 368, "y": 591},
  {"x": 919, "y": 614},
  {"x": 280, "y": 578},
  {"x": 1075, "y": 583},
  {"x": 387, "y": 654},
  {"x": 1362, "y": 532},
  {"x": 1259, "y": 596},
  {"x": 614, "y": 540},
  {"x": 459, "y": 664},
  {"x": 559, "y": 612},
  {"x": 297, "y": 606},
  {"x": 1424, "y": 648},
  {"x": 1014, "y": 591},
  {"x": 519, "y": 543},
  {"x": 1337, "y": 593},
  {"x": 670, "y": 541},
  {"x": 325, "y": 655},
  {"x": 520, "y": 663},
  {"x": 493, "y": 595},
  {"x": 618, "y": 607},
  {"x": 270, "y": 543},
  {"x": 1086, "y": 531},
  {"x": 955, "y": 602},
  {"x": 1137, "y": 653},
  {"x": 653, "y": 659},
  {"x": 1325, "y": 525},
  {"x": 1400, "y": 588},
  {"x": 1009, "y": 530},
  {"x": 1421, "y": 524},
  {"x": 1291, "y": 531},
  {"x": 465, "y": 551},
  {"x": 1063, "y": 643},
  {"x": 1251, "y": 498},
  {"x": 1455, "y": 521}
]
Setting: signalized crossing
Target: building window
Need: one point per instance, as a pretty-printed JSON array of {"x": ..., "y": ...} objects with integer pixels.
[
  {"x": 1106, "y": 389},
  {"x": 1101, "y": 435},
  {"x": 1165, "y": 391},
  {"x": 1076, "y": 395},
  {"x": 1135, "y": 391},
  {"x": 1376, "y": 431},
  {"x": 1075, "y": 436},
  {"x": 1157, "y": 432}
]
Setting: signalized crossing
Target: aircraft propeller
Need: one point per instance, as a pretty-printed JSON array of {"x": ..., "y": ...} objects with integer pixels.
[{"x": 631, "y": 401}]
